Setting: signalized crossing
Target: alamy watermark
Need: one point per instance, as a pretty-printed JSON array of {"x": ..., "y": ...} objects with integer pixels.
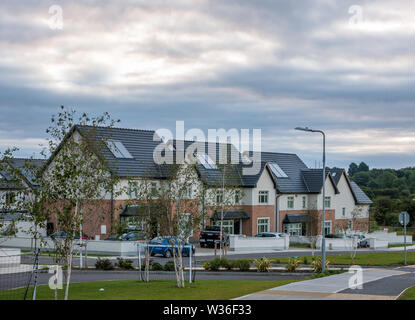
[
  {"x": 55, "y": 281},
  {"x": 56, "y": 20},
  {"x": 356, "y": 280},
  {"x": 192, "y": 146}
]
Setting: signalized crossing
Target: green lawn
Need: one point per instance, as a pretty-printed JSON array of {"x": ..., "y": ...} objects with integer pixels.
[
  {"x": 363, "y": 259},
  {"x": 154, "y": 290},
  {"x": 409, "y": 294}
]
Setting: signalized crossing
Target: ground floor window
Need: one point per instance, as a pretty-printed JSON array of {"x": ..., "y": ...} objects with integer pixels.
[
  {"x": 293, "y": 229},
  {"x": 350, "y": 225},
  {"x": 227, "y": 226},
  {"x": 263, "y": 225},
  {"x": 327, "y": 227}
]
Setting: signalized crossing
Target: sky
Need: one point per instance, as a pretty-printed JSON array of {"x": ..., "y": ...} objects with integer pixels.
[{"x": 345, "y": 67}]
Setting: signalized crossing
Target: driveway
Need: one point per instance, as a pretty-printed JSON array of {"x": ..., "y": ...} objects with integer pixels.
[{"x": 377, "y": 284}]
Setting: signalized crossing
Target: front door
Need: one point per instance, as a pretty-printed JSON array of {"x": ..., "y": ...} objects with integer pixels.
[{"x": 237, "y": 226}]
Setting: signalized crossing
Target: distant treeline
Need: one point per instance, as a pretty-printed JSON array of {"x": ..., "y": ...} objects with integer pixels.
[{"x": 392, "y": 191}]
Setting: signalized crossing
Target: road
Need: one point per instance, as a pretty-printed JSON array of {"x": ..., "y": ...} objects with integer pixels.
[{"x": 11, "y": 281}]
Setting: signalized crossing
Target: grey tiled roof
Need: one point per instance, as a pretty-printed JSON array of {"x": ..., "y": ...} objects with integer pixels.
[
  {"x": 27, "y": 167},
  {"x": 141, "y": 145},
  {"x": 361, "y": 197}
]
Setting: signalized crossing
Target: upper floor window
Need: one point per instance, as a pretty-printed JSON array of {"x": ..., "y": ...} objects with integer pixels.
[
  {"x": 343, "y": 212},
  {"x": 327, "y": 202},
  {"x": 237, "y": 196},
  {"x": 188, "y": 192},
  {"x": 219, "y": 196},
  {"x": 290, "y": 202},
  {"x": 304, "y": 202},
  {"x": 133, "y": 190},
  {"x": 154, "y": 188},
  {"x": 263, "y": 197}
]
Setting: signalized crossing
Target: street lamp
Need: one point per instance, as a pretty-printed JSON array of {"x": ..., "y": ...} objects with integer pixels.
[{"x": 323, "y": 240}]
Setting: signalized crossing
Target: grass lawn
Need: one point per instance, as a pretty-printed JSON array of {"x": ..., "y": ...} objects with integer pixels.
[
  {"x": 409, "y": 294},
  {"x": 154, "y": 290},
  {"x": 363, "y": 259}
]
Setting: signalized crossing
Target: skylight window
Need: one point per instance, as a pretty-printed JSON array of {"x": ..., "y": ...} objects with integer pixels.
[
  {"x": 118, "y": 149},
  {"x": 276, "y": 170},
  {"x": 206, "y": 161}
]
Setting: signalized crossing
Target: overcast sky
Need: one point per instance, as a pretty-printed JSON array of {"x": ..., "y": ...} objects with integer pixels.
[{"x": 343, "y": 66}]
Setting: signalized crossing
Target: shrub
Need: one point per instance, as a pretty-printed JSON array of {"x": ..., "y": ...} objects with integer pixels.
[
  {"x": 293, "y": 264},
  {"x": 124, "y": 264},
  {"x": 155, "y": 266},
  {"x": 206, "y": 266},
  {"x": 104, "y": 264},
  {"x": 305, "y": 260},
  {"x": 262, "y": 264},
  {"x": 169, "y": 266},
  {"x": 143, "y": 264},
  {"x": 318, "y": 265},
  {"x": 241, "y": 264},
  {"x": 215, "y": 264}
]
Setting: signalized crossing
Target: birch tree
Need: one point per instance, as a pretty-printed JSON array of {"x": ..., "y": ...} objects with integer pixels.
[{"x": 75, "y": 176}]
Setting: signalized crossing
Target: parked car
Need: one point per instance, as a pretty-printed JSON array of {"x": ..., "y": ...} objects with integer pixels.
[
  {"x": 62, "y": 235},
  {"x": 334, "y": 236},
  {"x": 114, "y": 237},
  {"x": 270, "y": 235},
  {"x": 162, "y": 246},
  {"x": 363, "y": 242},
  {"x": 133, "y": 236},
  {"x": 212, "y": 234}
]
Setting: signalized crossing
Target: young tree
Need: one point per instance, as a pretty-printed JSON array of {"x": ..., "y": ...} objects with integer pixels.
[
  {"x": 313, "y": 227},
  {"x": 75, "y": 177}
]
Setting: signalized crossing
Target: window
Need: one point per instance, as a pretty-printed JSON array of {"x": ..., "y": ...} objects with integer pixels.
[
  {"x": 327, "y": 227},
  {"x": 344, "y": 212},
  {"x": 188, "y": 192},
  {"x": 118, "y": 149},
  {"x": 133, "y": 190},
  {"x": 263, "y": 225},
  {"x": 237, "y": 196},
  {"x": 327, "y": 202},
  {"x": 350, "y": 225},
  {"x": 227, "y": 226},
  {"x": 290, "y": 202},
  {"x": 154, "y": 188},
  {"x": 206, "y": 161},
  {"x": 293, "y": 229},
  {"x": 219, "y": 196},
  {"x": 263, "y": 197},
  {"x": 304, "y": 202},
  {"x": 276, "y": 170},
  {"x": 10, "y": 198}
]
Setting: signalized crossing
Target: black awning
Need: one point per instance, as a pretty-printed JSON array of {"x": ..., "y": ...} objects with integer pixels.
[
  {"x": 295, "y": 218},
  {"x": 133, "y": 210},
  {"x": 230, "y": 215}
]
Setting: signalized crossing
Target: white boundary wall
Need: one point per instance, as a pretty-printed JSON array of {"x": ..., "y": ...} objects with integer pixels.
[
  {"x": 121, "y": 248},
  {"x": 391, "y": 237},
  {"x": 238, "y": 243}
]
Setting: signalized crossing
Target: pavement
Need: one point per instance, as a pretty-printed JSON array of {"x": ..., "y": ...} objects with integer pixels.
[{"x": 376, "y": 284}]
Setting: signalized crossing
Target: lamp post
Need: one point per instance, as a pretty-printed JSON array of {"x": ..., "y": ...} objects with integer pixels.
[{"x": 323, "y": 240}]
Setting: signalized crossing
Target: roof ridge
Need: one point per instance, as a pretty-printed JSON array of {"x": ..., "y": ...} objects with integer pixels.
[{"x": 118, "y": 128}]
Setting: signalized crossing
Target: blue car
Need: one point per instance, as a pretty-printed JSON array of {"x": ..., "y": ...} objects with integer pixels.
[{"x": 162, "y": 246}]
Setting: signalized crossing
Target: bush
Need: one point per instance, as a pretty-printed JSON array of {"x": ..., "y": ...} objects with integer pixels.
[
  {"x": 262, "y": 264},
  {"x": 293, "y": 264},
  {"x": 318, "y": 264},
  {"x": 305, "y": 260},
  {"x": 155, "y": 266},
  {"x": 241, "y": 264},
  {"x": 217, "y": 263},
  {"x": 104, "y": 264},
  {"x": 124, "y": 264},
  {"x": 143, "y": 264},
  {"x": 169, "y": 266}
]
